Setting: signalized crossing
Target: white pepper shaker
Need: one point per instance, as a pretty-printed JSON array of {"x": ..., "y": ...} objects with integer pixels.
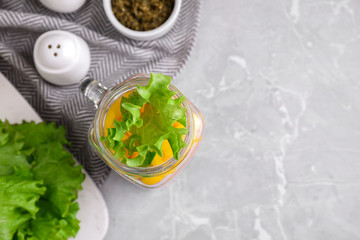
[
  {"x": 61, "y": 58},
  {"x": 63, "y": 6}
]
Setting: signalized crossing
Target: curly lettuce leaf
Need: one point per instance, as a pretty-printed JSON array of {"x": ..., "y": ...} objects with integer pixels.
[
  {"x": 49, "y": 224},
  {"x": 41, "y": 175},
  {"x": 53, "y": 163},
  {"x": 150, "y": 128},
  {"x": 18, "y": 197},
  {"x": 11, "y": 149}
]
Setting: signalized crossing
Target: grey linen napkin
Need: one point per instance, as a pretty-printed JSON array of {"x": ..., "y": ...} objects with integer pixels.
[{"x": 114, "y": 58}]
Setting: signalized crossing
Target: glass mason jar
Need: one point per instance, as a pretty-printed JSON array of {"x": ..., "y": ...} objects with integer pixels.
[{"x": 148, "y": 177}]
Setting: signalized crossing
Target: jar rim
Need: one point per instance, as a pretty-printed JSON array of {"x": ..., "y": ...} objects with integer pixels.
[{"x": 116, "y": 92}]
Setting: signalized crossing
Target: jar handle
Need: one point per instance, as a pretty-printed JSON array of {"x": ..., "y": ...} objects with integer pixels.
[{"x": 93, "y": 90}]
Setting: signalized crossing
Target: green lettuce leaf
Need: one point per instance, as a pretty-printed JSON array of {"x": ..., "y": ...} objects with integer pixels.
[
  {"x": 150, "y": 128},
  {"x": 18, "y": 197},
  {"x": 49, "y": 224},
  {"x": 53, "y": 163},
  {"x": 11, "y": 149},
  {"x": 39, "y": 182}
]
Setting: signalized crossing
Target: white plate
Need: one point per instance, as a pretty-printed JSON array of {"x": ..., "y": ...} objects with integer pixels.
[{"x": 93, "y": 214}]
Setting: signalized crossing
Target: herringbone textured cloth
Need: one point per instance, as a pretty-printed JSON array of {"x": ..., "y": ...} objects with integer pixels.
[{"x": 114, "y": 58}]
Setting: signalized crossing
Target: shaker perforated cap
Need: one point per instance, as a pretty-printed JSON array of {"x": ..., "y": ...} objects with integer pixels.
[{"x": 61, "y": 57}]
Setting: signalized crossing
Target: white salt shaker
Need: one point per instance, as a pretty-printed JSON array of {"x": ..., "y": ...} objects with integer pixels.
[
  {"x": 61, "y": 58},
  {"x": 63, "y": 6}
]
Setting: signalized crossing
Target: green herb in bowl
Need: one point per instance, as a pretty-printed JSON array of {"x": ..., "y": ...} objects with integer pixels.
[{"x": 142, "y": 15}]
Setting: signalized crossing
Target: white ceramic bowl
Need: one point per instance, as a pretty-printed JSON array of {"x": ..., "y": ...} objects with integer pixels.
[
  {"x": 61, "y": 57},
  {"x": 143, "y": 35}
]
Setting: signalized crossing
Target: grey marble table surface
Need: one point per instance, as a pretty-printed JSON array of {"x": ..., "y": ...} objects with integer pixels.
[{"x": 278, "y": 83}]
